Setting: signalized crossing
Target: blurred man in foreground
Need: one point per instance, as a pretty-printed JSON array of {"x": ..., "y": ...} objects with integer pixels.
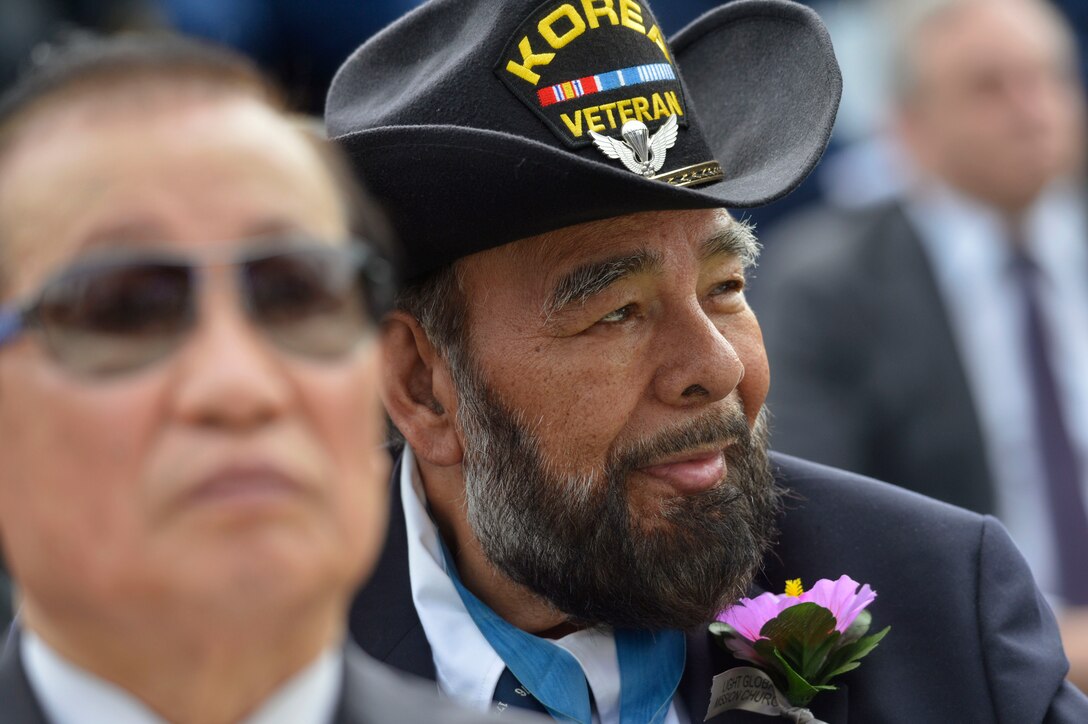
[
  {"x": 191, "y": 486},
  {"x": 946, "y": 334},
  {"x": 580, "y": 382}
]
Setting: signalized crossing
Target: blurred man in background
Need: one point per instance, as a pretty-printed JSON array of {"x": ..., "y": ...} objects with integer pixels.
[
  {"x": 192, "y": 485},
  {"x": 940, "y": 341}
]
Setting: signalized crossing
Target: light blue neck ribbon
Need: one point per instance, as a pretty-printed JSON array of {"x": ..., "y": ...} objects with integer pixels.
[{"x": 651, "y": 664}]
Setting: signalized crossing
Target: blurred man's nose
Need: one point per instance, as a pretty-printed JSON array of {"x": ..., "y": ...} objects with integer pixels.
[
  {"x": 1035, "y": 96},
  {"x": 228, "y": 374}
]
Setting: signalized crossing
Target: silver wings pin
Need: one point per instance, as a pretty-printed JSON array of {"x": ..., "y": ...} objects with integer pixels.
[{"x": 638, "y": 150}]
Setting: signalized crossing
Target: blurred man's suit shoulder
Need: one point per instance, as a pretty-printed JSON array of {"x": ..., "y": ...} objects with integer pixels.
[
  {"x": 19, "y": 702},
  {"x": 867, "y": 372}
]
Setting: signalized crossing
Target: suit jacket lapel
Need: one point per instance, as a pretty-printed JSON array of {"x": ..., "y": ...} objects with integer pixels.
[
  {"x": 383, "y": 618},
  {"x": 17, "y": 701}
]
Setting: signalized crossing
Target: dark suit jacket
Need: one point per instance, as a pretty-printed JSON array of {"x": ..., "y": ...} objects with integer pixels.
[
  {"x": 866, "y": 375},
  {"x": 371, "y": 694},
  {"x": 972, "y": 639}
]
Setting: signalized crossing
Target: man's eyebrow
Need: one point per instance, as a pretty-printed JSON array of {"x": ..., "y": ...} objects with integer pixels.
[
  {"x": 581, "y": 283},
  {"x": 737, "y": 240}
]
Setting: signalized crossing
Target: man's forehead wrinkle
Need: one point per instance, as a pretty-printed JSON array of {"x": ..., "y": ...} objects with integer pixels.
[
  {"x": 559, "y": 248},
  {"x": 545, "y": 258}
]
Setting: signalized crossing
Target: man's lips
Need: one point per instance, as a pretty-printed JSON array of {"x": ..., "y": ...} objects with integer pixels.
[
  {"x": 690, "y": 473},
  {"x": 246, "y": 485}
]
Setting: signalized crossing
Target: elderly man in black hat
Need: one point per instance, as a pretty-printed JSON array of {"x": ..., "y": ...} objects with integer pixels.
[{"x": 579, "y": 383}]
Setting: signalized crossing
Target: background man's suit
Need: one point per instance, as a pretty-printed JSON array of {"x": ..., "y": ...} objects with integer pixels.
[
  {"x": 886, "y": 399},
  {"x": 371, "y": 694},
  {"x": 972, "y": 639}
]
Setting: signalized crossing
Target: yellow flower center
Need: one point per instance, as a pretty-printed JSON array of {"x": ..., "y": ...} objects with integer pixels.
[{"x": 794, "y": 588}]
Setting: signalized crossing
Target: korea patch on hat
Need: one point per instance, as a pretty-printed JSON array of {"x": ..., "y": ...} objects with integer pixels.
[{"x": 601, "y": 73}]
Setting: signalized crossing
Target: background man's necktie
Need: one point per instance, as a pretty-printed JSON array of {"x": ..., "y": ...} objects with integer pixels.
[{"x": 1059, "y": 456}]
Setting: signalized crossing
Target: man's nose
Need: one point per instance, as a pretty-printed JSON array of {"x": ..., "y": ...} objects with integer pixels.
[
  {"x": 227, "y": 374},
  {"x": 698, "y": 364}
]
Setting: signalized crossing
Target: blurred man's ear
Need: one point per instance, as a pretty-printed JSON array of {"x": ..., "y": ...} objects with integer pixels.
[{"x": 418, "y": 391}]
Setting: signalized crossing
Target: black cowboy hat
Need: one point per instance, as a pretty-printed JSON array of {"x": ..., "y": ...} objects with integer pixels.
[{"x": 479, "y": 122}]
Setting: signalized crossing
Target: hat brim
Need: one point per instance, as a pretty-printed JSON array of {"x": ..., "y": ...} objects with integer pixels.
[
  {"x": 761, "y": 76},
  {"x": 763, "y": 79}
]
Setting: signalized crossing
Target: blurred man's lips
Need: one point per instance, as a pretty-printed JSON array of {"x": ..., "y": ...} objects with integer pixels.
[
  {"x": 246, "y": 485},
  {"x": 691, "y": 473}
]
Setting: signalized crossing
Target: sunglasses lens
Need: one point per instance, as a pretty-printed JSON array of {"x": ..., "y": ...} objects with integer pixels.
[
  {"x": 311, "y": 302},
  {"x": 112, "y": 317},
  {"x": 115, "y": 318}
]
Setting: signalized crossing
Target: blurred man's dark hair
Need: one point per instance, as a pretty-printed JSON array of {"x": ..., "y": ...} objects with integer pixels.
[{"x": 137, "y": 68}]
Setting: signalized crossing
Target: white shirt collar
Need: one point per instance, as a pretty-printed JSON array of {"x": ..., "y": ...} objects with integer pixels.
[
  {"x": 962, "y": 237},
  {"x": 71, "y": 695},
  {"x": 467, "y": 668}
]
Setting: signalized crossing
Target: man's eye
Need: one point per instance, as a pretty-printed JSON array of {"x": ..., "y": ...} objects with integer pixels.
[
  {"x": 619, "y": 315},
  {"x": 732, "y": 286}
]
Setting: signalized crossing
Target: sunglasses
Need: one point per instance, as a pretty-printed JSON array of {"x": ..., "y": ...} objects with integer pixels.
[{"x": 117, "y": 312}]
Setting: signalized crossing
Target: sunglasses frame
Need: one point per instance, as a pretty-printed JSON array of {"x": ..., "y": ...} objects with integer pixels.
[{"x": 22, "y": 315}]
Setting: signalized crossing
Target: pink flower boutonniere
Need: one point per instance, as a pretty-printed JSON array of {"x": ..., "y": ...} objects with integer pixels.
[{"x": 798, "y": 642}]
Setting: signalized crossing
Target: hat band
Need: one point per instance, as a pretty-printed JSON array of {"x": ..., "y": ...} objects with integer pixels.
[{"x": 697, "y": 175}]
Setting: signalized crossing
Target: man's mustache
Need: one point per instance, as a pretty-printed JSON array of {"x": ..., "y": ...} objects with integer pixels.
[{"x": 725, "y": 428}]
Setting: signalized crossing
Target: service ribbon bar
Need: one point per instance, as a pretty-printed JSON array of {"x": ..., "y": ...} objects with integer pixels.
[{"x": 634, "y": 75}]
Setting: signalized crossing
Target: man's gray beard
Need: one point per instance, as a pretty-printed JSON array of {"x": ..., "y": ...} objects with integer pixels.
[{"x": 571, "y": 538}]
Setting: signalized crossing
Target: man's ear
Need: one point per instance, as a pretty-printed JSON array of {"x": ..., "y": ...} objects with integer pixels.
[{"x": 418, "y": 391}]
